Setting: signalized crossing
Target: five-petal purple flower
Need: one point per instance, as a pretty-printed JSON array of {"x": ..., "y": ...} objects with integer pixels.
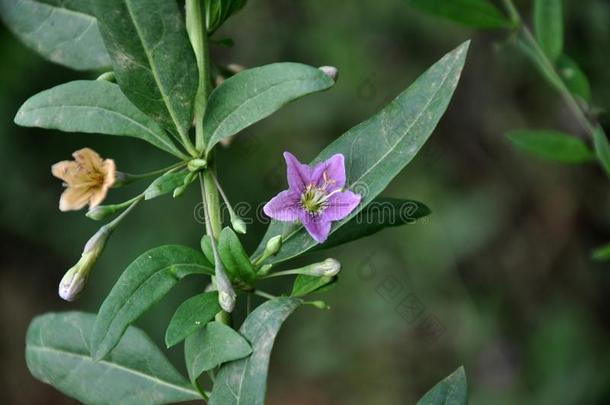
[{"x": 315, "y": 196}]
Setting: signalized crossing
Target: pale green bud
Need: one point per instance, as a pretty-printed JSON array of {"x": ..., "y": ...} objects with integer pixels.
[
  {"x": 75, "y": 279},
  {"x": 319, "y": 304},
  {"x": 178, "y": 191},
  {"x": 226, "y": 294},
  {"x": 327, "y": 268},
  {"x": 196, "y": 164},
  {"x": 238, "y": 224},
  {"x": 273, "y": 246},
  {"x": 103, "y": 211},
  {"x": 264, "y": 270}
]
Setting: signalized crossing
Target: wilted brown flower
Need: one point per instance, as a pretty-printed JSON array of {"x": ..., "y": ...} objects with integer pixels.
[{"x": 87, "y": 179}]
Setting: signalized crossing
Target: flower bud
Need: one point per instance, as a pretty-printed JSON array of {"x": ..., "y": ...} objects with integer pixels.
[
  {"x": 319, "y": 304},
  {"x": 226, "y": 294},
  {"x": 103, "y": 211},
  {"x": 327, "y": 268},
  {"x": 273, "y": 246},
  {"x": 196, "y": 164},
  {"x": 178, "y": 191},
  {"x": 238, "y": 224},
  {"x": 75, "y": 279},
  {"x": 331, "y": 72}
]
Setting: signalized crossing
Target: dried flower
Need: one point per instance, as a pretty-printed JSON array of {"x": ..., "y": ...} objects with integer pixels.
[
  {"x": 87, "y": 179},
  {"x": 315, "y": 196}
]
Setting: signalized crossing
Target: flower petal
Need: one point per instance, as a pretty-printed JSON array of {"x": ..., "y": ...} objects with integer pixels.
[
  {"x": 332, "y": 171},
  {"x": 317, "y": 226},
  {"x": 340, "y": 205},
  {"x": 89, "y": 159},
  {"x": 109, "y": 169},
  {"x": 299, "y": 175},
  {"x": 74, "y": 198},
  {"x": 67, "y": 170},
  {"x": 284, "y": 207}
]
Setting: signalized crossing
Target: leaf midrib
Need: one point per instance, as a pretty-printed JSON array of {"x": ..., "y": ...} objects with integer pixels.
[
  {"x": 153, "y": 69},
  {"x": 111, "y": 365},
  {"x": 391, "y": 149}
]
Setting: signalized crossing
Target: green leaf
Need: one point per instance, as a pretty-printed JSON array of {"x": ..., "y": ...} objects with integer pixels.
[
  {"x": 551, "y": 145},
  {"x": 472, "y": 13},
  {"x": 63, "y": 32},
  {"x": 136, "y": 372},
  {"x": 602, "y": 253},
  {"x": 575, "y": 79},
  {"x": 143, "y": 283},
  {"x": 244, "y": 382},
  {"x": 304, "y": 285},
  {"x": 193, "y": 314},
  {"x": 165, "y": 184},
  {"x": 234, "y": 257},
  {"x": 453, "y": 390},
  {"x": 218, "y": 11},
  {"x": 548, "y": 26},
  {"x": 206, "y": 248},
  {"x": 152, "y": 57},
  {"x": 602, "y": 148},
  {"x": 92, "y": 106},
  {"x": 254, "y": 94},
  {"x": 381, "y": 213},
  {"x": 378, "y": 149},
  {"x": 212, "y": 346}
]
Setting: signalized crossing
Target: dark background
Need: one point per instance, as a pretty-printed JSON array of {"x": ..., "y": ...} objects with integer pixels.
[{"x": 498, "y": 278}]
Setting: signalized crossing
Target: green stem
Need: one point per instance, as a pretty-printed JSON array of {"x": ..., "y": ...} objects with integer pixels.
[
  {"x": 538, "y": 56},
  {"x": 128, "y": 178},
  {"x": 212, "y": 202},
  {"x": 196, "y": 27},
  {"x": 264, "y": 294},
  {"x": 513, "y": 14}
]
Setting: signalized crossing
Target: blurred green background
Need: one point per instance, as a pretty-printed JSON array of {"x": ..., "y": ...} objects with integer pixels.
[{"x": 498, "y": 279}]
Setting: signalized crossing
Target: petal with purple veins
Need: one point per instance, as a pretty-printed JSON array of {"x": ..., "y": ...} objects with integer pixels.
[
  {"x": 284, "y": 207},
  {"x": 316, "y": 226},
  {"x": 332, "y": 170},
  {"x": 299, "y": 175},
  {"x": 340, "y": 205}
]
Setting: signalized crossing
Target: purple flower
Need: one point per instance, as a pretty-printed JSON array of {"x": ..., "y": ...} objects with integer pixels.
[{"x": 315, "y": 196}]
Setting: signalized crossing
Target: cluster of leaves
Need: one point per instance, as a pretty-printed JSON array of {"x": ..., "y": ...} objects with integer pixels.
[
  {"x": 152, "y": 93},
  {"x": 545, "y": 48}
]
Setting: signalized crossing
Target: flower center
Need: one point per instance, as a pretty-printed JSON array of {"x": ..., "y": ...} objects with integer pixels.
[{"x": 314, "y": 200}]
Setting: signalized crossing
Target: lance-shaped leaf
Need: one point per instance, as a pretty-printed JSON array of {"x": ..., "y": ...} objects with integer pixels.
[
  {"x": 145, "y": 281},
  {"x": 472, "y": 13},
  {"x": 304, "y": 285},
  {"x": 244, "y": 382},
  {"x": 378, "y": 149},
  {"x": 551, "y": 145},
  {"x": 548, "y": 25},
  {"x": 212, "y": 346},
  {"x": 453, "y": 390},
  {"x": 92, "y": 106},
  {"x": 152, "y": 57},
  {"x": 165, "y": 184},
  {"x": 136, "y": 372},
  {"x": 234, "y": 257},
  {"x": 191, "y": 315},
  {"x": 64, "y": 32},
  {"x": 381, "y": 213},
  {"x": 256, "y": 93}
]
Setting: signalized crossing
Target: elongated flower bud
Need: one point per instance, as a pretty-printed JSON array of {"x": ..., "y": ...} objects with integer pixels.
[
  {"x": 238, "y": 224},
  {"x": 196, "y": 165},
  {"x": 271, "y": 248},
  {"x": 327, "y": 268},
  {"x": 75, "y": 279}
]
